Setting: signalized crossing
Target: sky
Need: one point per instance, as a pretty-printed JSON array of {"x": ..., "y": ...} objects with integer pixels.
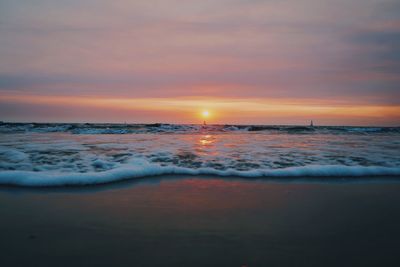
[{"x": 336, "y": 62}]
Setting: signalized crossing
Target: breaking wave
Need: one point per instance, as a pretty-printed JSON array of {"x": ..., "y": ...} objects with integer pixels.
[
  {"x": 81, "y": 154},
  {"x": 39, "y": 179}
]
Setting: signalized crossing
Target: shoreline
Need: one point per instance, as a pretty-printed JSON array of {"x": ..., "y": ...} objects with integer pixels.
[{"x": 154, "y": 179}]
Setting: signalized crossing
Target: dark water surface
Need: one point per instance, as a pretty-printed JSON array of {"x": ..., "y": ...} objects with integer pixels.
[{"x": 203, "y": 222}]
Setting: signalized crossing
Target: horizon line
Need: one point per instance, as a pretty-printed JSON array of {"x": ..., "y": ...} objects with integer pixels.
[{"x": 208, "y": 124}]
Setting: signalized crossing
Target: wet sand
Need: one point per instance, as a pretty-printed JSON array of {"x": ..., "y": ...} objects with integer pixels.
[{"x": 203, "y": 221}]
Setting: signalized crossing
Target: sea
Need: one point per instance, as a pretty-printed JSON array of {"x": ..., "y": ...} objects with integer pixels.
[{"x": 69, "y": 154}]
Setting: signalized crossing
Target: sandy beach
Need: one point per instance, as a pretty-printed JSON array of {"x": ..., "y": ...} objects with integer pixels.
[{"x": 203, "y": 221}]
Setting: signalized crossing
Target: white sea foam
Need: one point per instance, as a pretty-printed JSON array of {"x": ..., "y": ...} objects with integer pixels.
[
  {"x": 12, "y": 155},
  {"x": 38, "y": 179},
  {"x": 59, "y": 158}
]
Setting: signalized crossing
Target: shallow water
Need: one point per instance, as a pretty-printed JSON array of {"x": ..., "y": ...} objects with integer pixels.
[{"x": 57, "y": 155}]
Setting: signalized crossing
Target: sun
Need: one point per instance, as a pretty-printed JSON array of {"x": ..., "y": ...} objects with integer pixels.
[{"x": 205, "y": 113}]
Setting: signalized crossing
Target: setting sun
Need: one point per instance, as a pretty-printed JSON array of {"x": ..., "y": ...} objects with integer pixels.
[{"x": 205, "y": 113}]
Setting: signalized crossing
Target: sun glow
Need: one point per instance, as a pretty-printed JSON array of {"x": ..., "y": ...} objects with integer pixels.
[
  {"x": 205, "y": 114},
  {"x": 215, "y": 110}
]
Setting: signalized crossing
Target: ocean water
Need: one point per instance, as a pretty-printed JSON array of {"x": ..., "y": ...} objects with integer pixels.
[{"x": 79, "y": 154}]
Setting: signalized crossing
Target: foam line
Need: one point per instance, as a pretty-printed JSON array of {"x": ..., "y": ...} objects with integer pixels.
[{"x": 44, "y": 179}]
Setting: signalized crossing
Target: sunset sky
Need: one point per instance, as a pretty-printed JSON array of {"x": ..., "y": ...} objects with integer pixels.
[{"x": 249, "y": 62}]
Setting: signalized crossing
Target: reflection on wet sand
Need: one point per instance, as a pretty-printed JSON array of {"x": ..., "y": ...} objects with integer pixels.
[{"x": 196, "y": 221}]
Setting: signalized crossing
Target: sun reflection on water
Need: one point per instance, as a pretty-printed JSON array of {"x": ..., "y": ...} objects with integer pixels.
[{"x": 207, "y": 140}]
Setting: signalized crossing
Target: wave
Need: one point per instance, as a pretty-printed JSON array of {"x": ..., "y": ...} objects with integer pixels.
[
  {"x": 145, "y": 169},
  {"x": 111, "y": 128}
]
